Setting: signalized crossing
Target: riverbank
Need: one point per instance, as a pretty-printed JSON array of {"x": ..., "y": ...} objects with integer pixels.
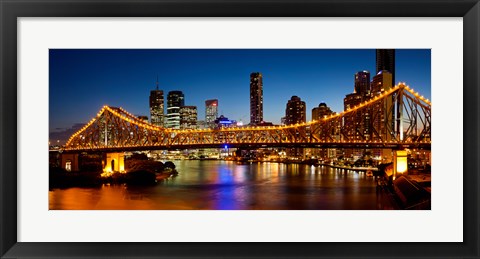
[
  {"x": 63, "y": 179},
  {"x": 139, "y": 172},
  {"x": 313, "y": 162}
]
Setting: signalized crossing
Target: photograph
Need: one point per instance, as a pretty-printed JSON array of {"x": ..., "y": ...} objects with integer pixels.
[
  {"x": 252, "y": 129},
  {"x": 239, "y": 129}
]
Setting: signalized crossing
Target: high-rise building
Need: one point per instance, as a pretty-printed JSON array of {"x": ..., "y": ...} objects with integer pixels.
[
  {"x": 353, "y": 121},
  {"x": 362, "y": 82},
  {"x": 385, "y": 122},
  {"x": 386, "y": 61},
  {"x": 295, "y": 111},
  {"x": 351, "y": 100},
  {"x": 321, "y": 111},
  {"x": 256, "y": 98},
  {"x": 211, "y": 112},
  {"x": 381, "y": 82},
  {"x": 188, "y": 117},
  {"x": 157, "y": 107},
  {"x": 175, "y": 100}
]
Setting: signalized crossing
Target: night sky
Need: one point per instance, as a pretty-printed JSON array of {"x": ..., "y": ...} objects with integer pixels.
[{"x": 83, "y": 80}]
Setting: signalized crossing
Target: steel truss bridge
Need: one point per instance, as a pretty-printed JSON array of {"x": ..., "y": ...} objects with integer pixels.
[{"x": 396, "y": 119}]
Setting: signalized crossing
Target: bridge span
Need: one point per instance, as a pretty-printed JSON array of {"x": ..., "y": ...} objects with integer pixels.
[{"x": 398, "y": 118}]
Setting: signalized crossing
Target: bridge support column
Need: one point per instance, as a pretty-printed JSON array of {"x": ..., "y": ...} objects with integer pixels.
[
  {"x": 114, "y": 162},
  {"x": 69, "y": 162},
  {"x": 400, "y": 164}
]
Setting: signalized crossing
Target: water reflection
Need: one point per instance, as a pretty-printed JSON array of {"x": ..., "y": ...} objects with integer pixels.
[{"x": 222, "y": 185}]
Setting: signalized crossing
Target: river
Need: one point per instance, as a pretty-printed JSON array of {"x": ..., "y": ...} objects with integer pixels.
[{"x": 226, "y": 185}]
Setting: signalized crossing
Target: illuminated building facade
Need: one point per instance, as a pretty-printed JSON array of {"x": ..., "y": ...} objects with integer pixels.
[
  {"x": 295, "y": 111},
  {"x": 352, "y": 121},
  {"x": 211, "y": 112},
  {"x": 157, "y": 107},
  {"x": 224, "y": 122},
  {"x": 256, "y": 98},
  {"x": 382, "y": 82},
  {"x": 188, "y": 117},
  {"x": 175, "y": 100},
  {"x": 351, "y": 100},
  {"x": 362, "y": 83},
  {"x": 321, "y": 111}
]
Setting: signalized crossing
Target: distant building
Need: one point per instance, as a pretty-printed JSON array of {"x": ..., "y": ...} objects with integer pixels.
[
  {"x": 211, "y": 112},
  {"x": 157, "y": 107},
  {"x": 351, "y": 100},
  {"x": 385, "y": 60},
  {"x": 188, "y": 117},
  {"x": 353, "y": 122},
  {"x": 362, "y": 83},
  {"x": 381, "y": 82},
  {"x": 384, "y": 123},
  {"x": 295, "y": 111},
  {"x": 321, "y": 111},
  {"x": 256, "y": 98},
  {"x": 224, "y": 122},
  {"x": 175, "y": 100}
]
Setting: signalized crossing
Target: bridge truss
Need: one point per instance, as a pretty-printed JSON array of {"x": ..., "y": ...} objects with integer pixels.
[{"x": 396, "y": 118}]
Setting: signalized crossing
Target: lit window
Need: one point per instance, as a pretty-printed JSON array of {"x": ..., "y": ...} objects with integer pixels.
[{"x": 68, "y": 165}]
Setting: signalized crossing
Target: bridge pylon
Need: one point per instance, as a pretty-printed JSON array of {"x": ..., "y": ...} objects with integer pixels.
[{"x": 113, "y": 162}]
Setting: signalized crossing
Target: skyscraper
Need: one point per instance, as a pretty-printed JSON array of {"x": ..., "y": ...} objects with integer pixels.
[
  {"x": 295, "y": 111},
  {"x": 188, "y": 117},
  {"x": 211, "y": 112},
  {"x": 362, "y": 82},
  {"x": 386, "y": 61},
  {"x": 256, "y": 98},
  {"x": 157, "y": 107},
  {"x": 175, "y": 100}
]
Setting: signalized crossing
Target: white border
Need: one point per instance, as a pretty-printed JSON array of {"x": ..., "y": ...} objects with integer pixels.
[{"x": 442, "y": 35}]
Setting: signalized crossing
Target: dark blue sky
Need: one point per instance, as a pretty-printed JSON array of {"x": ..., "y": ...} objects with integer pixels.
[{"x": 82, "y": 81}]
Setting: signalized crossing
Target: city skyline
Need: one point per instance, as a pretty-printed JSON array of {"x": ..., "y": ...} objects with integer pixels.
[{"x": 316, "y": 76}]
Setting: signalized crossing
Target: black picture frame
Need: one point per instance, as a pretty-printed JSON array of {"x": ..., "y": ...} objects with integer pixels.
[{"x": 10, "y": 10}]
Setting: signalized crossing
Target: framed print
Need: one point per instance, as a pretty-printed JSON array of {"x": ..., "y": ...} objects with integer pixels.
[{"x": 228, "y": 129}]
